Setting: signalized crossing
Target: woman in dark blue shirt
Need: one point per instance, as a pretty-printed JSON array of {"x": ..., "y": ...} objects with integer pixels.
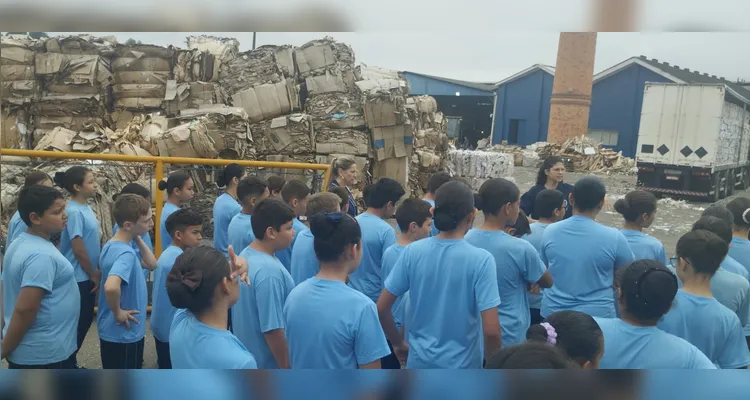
[
  {"x": 550, "y": 176},
  {"x": 344, "y": 174}
]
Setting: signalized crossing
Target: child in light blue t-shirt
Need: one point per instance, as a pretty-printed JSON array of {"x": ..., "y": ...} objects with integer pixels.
[
  {"x": 638, "y": 208},
  {"x": 180, "y": 190},
  {"x": 250, "y": 191},
  {"x": 295, "y": 194},
  {"x": 227, "y": 206}
]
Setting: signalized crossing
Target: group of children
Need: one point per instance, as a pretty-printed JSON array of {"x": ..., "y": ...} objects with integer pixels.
[{"x": 294, "y": 280}]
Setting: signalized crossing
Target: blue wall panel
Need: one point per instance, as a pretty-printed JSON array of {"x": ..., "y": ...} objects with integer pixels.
[
  {"x": 616, "y": 105},
  {"x": 422, "y": 85},
  {"x": 527, "y": 100}
]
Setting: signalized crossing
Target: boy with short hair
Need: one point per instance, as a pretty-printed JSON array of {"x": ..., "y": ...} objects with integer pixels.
[
  {"x": 414, "y": 220},
  {"x": 184, "y": 227},
  {"x": 122, "y": 304},
  {"x": 41, "y": 300},
  {"x": 250, "y": 191},
  {"x": 295, "y": 194},
  {"x": 377, "y": 235},
  {"x": 304, "y": 263},
  {"x": 257, "y": 317},
  {"x": 433, "y": 184},
  {"x": 275, "y": 186},
  {"x": 550, "y": 206}
]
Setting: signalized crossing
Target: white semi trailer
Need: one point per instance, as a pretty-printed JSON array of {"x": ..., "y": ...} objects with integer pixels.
[{"x": 693, "y": 141}]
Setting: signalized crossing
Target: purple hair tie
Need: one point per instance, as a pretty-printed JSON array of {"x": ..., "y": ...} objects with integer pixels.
[{"x": 551, "y": 333}]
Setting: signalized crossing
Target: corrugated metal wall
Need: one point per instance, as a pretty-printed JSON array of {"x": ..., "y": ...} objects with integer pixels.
[
  {"x": 421, "y": 85},
  {"x": 526, "y": 100},
  {"x": 616, "y": 105}
]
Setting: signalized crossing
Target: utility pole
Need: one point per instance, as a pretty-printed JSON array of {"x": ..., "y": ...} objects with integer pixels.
[{"x": 254, "y": 40}]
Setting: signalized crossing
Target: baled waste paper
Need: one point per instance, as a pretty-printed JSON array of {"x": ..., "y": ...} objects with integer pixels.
[
  {"x": 286, "y": 135},
  {"x": 476, "y": 166}
]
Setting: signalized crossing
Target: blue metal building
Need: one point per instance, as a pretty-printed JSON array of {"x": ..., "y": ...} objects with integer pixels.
[{"x": 522, "y": 106}]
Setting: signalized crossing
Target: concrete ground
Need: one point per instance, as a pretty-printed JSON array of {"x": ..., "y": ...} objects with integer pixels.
[{"x": 674, "y": 218}]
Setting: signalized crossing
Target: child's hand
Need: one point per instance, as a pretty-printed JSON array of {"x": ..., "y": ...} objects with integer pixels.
[
  {"x": 125, "y": 316},
  {"x": 238, "y": 265}
]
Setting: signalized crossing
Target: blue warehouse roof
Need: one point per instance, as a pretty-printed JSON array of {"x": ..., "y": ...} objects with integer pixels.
[{"x": 422, "y": 84}]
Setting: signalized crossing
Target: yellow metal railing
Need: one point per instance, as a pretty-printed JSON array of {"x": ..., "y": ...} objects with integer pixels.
[{"x": 159, "y": 170}]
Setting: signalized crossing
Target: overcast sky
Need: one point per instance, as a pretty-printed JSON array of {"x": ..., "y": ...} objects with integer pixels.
[{"x": 492, "y": 56}]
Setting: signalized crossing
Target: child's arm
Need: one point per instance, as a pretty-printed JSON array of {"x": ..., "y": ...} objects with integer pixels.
[
  {"x": 112, "y": 294},
  {"x": 79, "y": 251},
  {"x": 147, "y": 256},
  {"x": 24, "y": 314}
]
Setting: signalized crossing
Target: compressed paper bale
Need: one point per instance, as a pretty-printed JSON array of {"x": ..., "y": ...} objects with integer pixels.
[
  {"x": 228, "y": 127},
  {"x": 81, "y": 44},
  {"x": 285, "y": 135},
  {"x": 305, "y": 175},
  {"x": 318, "y": 56},
  {"x": 336, "y": 110},
  {"x": 341, "y": 141},
  {"x": 187, "y": 140},
  {"x": 268, "y": 101},
  {"x": 264, "y": 65},
  {"x": 15, "y": 127}
]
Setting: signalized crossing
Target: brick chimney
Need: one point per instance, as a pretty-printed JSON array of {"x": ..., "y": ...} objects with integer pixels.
[{"x": 571, "y": 90}]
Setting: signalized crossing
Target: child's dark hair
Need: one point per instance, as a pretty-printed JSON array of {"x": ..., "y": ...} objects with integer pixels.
[
  {"x": 322, "y": 202},
  {"x": 578, "y": 335},
  {"x": 332, "y": 233},
  {"x": 635, "y": 204},
  {"x": 716, "y": 226},
  {"x": 648, "y": 289},
  {"x": 383, "y": 191},
  {"x": 175, "y": 180},
  {"x": 342, "y": 193},
  {"x": 495, "y": 194},
  {"x": 530, "y": 355},
  {"x": 36, "y": 199},
  {"x": 588, "y": 193},
  {"x": 249, "y": 187},
  {"x": 721, "y": 212},
  {"x": 436, "y": 180},
  {"x": 522, "y": 226},
  {"x": 454, "y": 201},
  {"x": 181, "y": 220},
  {"x": 412, "y": 210},
  {"x": 230, "y": 172},
  {"x": 36, "y": 178},
  {"x": 275, "y": 183},
  {"x": 130, "y": 208},
  {"x": 547, "y": 201},
  {"x": 549, "y": 163},
  {"x": 193, "y": 279},
  {"x": 270, "y": 213},
  {"x": 133, "y": 188},
  {"x": 703, "y": 250},
  {"x": 71, "y": 177},
  {"x": 293, "y": 189},
  {"x": 740, "y": 208}
]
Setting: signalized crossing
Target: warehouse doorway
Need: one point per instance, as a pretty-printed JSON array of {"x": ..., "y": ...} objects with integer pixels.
[{"x": 474, "y": 112}]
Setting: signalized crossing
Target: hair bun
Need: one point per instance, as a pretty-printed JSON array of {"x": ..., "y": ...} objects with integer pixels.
[
  {"x": 59, "y": 178},
  {"x": 478, "y": 202},
  {"x": 536, "y": 333},
  {"x": 320, "y": 227},
  {"x": 162, "y": 185},
  {"x": 444, "y": 220},
  {"x": 621, "y": 206}
]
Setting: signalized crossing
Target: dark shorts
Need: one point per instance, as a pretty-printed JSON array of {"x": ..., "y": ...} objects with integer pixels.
[
  {"x": 163, "y": 359},
  {"x": 536, "y": 316},
  {"x": 390, "y": 361},
  {"x": 122, "y": 355}
]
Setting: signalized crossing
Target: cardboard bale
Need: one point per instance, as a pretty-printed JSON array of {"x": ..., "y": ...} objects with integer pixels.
[
  {"x": 81, "y": 44},
  {"x": 392, "y": 141},
  {"x": 318, "y": 57},
  {"x": 385, "y": 109},
  {"x": 139, "y": 73},
  {"x": 17, "y": 81},
  {"x": 328, "y": 83},
  {"x": 285, "y": 135},
  {"x": 311, "y": 178},
  {"x": 56, "y": 140},
  {"x": 188, "y": 95},
  {"x": 264, "y": 65},
  {"x": 394, "y": 168},
  {"x": 342, "y": 141},
  {"x": 15, "y": 127},
  {"x": 228, "y": 127},
  {"x": 477, "y": 166},
  {"x": 268, "y": 101},
  {"x": 187, "y": 140},
  {"x": 335, "y": 111},
  {"x": 195, "y": 65}
]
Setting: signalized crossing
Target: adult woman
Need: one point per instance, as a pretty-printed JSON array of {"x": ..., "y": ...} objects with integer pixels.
[
  {"x": 647, "y": 290},
  {"x": 344, "y": 174},
  {"x": 550, "y": 176}
]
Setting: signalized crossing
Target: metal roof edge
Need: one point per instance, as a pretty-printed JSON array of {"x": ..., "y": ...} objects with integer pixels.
[
  {"x": 546, "y": 68},
  {"x": 630, "y": 61}
]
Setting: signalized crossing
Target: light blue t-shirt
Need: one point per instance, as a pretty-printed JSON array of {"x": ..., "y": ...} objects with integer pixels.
[
  {"x": 434, "y": 231},
  {"x": 166, "y": 211},
  {"x": 535, "y": 238},
  {"x": 195, "y": 345},
  {"x": 240, "y": 232},
  {"x": 518, "y": 264},
  {"x": 734, "y": 266},
  {"x": 119, "y": 259},
  {"x": 332, "y": 326},
  {"x": 285, "y": 256},
  {"x": 82, "y": 223},
  {"x": 15, "y": 227},
  {"x": 636, "y": 347},
  {"x": 377, "y": 236},
  {"x": 162, "y": 311},
  {"x": 740, "y": 251},
  {"x": 645, "y": 247},
  {"x": 582, "y": 256},
  {"x": 260, "y": 307},
  {"x": 709, "y": 326},
  {"x": 305, "y": 263},
  {"x": 146, "y": 239},
  {"x": 34, "y": 262},
  {"x": 448, "y": 281},
  {"x": 225, "y": 208},
  {"x": 390, "y": 257}
]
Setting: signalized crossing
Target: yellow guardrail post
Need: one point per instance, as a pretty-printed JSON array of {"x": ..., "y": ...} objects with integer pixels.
[{"x": 159, "y": 200}]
